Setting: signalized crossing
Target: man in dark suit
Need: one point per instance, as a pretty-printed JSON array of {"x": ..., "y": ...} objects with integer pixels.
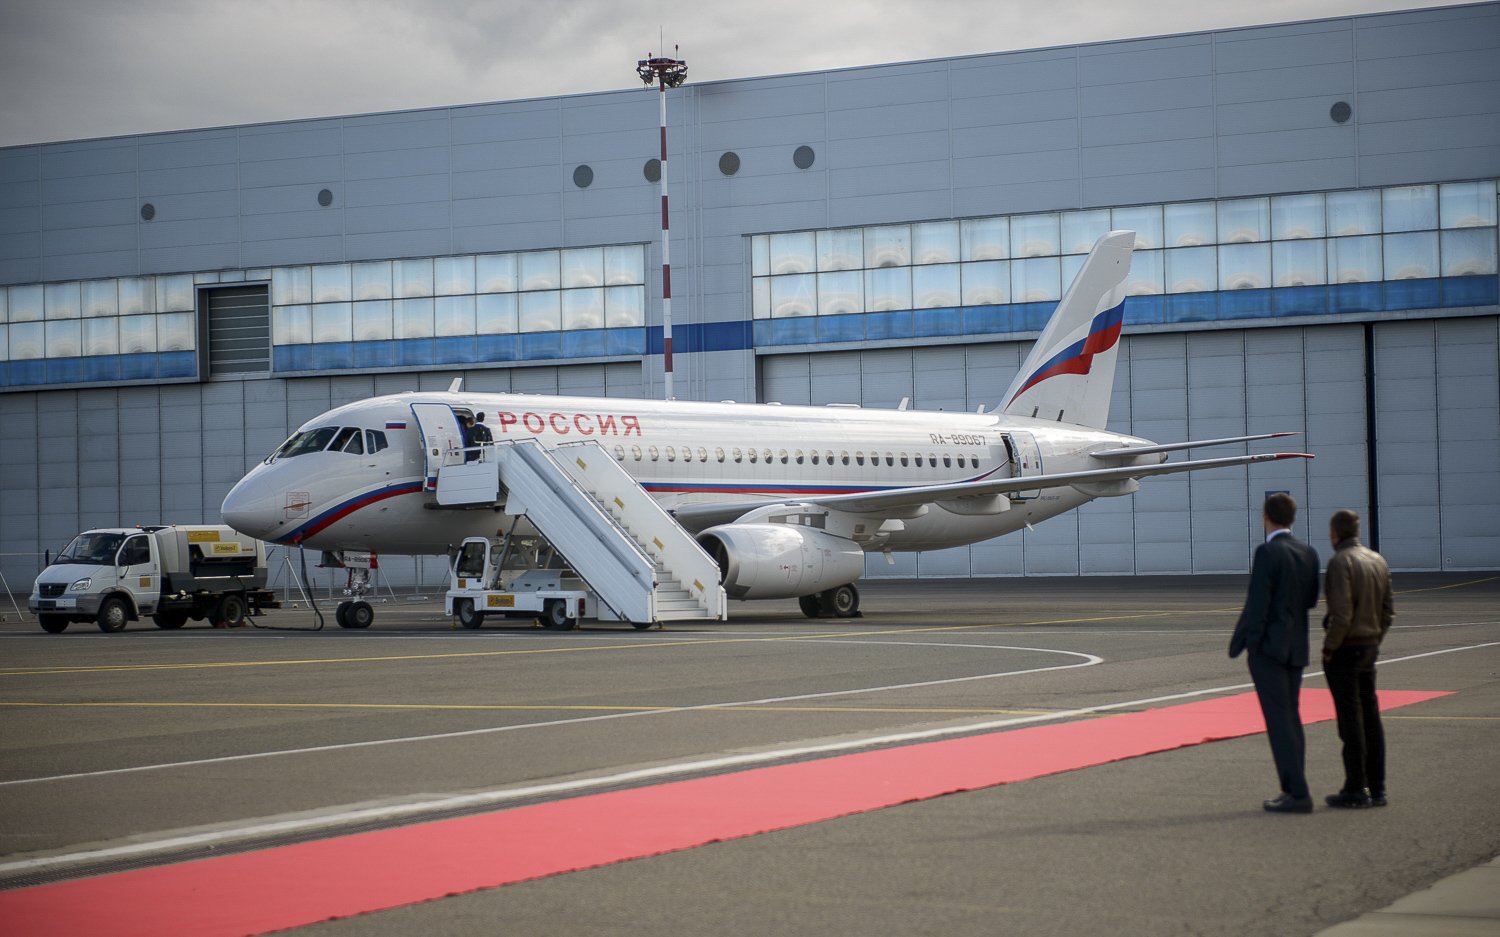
[{"x": 1273, "y": 629}]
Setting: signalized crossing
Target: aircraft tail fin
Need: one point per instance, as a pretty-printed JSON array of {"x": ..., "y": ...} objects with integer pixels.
[{"x": 1070, "y": 372}]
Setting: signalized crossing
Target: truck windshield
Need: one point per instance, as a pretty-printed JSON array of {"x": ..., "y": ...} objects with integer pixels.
[
  {"x": 91, "y": 547},
  {"x": 313, "y": 440}
]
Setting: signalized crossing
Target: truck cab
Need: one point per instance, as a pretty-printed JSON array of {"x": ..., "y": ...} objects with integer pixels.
[{"x": 98, "y": 566}]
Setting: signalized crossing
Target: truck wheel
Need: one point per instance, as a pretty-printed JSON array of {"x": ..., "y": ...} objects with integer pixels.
[
  {"x": 53, "y": 624},
  {"x": 230, "y": 613},
  {"x": 113, "y": 614},
  {"x": 358, "y": 615},
  {"x": 171, "y": 621},
  {"x": 467, "y": 615},
  {"x": 555, "y": 616}
]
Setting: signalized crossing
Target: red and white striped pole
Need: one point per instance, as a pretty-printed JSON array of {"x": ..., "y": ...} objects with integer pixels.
[{"x": 665, "y": 73}]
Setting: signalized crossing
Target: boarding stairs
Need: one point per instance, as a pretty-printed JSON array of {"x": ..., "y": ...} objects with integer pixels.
[{"x": 634, "y": 556}]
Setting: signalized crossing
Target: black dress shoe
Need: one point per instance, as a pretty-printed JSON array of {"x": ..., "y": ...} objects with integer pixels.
[
  {"x": 1286, "y": 803},
  {"x": 1351, "y": 800},
  {"x": 1377, "y": 799}
]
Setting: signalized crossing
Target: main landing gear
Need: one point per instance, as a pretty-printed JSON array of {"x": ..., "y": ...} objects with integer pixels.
[{"x": 838, "y": 602}]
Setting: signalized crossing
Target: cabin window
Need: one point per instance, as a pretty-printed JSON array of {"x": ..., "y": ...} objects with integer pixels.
[
  {"x": 931, "y": 460},
  {"x": 738, "y": 455},
  {"x": 635, "y": 452},
  {"x": 655, "y": 453},
  {"x": 719, "y": 453},
  {"x": 754, "y": 456},
  {"x": 890, "y": 459},
  {"x": 815, "y": 457},
  {"x": 829, "y": 457},
  {"x": 859, "y": 458},
  {"x": 903, "y": 460},
  {"x": 799, "y": 456},
  {"x": 766, "y": 454},
  {"x": 703, "y": 455},
  {"x": 947, "y": 461},
  {"x": 844, "y": 457},
  {"x": 619, "y": 453},
  {"x": 671, "y": 454},
  {"x": 782, "y": 456}
]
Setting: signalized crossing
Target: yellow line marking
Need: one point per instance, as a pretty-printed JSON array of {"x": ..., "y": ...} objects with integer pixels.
[
  {"x": 128, "y": 668},
  {"x": 1451, "y": 585},
  {"x": 1445, "y": 718},
  {"x": 148, "y": 704},
  {"x": 633, "y": 646}
]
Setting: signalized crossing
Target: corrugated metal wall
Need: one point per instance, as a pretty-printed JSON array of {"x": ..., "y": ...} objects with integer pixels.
[{"x": 1436, "y": 388}]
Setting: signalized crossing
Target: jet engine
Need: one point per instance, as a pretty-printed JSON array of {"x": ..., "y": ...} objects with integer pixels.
[{"x": 781, "y": 561}]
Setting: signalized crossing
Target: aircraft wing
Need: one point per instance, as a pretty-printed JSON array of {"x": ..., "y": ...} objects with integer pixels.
[{"x": 898, "y": 501}]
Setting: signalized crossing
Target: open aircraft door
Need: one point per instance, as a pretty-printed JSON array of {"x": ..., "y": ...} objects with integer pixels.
[
  {"x": 1025, "y": 459},
  {"x": 442, "y": 440}
]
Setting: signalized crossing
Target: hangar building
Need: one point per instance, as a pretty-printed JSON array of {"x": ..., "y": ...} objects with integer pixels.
[{"x": 1315, "y": 202}]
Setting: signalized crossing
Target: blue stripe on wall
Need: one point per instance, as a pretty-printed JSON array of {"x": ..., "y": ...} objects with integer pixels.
[{"x": 1284, "y": 302}]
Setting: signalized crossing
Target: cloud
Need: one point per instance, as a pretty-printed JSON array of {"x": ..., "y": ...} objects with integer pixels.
[{"x": 91, "y": 68}]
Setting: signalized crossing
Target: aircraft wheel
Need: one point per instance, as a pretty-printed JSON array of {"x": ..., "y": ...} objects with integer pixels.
[
  {"x": 467, "y": 615},
  {"x": 842, "y": 602},
  {"x": 358, "y": 615},
  {"x": 811, "y": 606},
  {"x": 113, "y": 614},
  {"x": 555, "y": 616},
  {"x": 230, "y": 613},
  {"x": 341, "y": 613},
  {"x": 170, "y": 620},
  {"x": 53, "y": 624}
]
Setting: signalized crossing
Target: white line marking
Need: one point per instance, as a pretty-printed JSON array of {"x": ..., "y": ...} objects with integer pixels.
[
  {"x": 487, "y": 798},
  {"x": 1089, "y": 660}
]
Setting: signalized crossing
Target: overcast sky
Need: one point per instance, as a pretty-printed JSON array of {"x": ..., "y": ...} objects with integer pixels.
[{"x": 72, "y": 69}]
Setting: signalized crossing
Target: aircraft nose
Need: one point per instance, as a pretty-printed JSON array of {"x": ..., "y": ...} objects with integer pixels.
[{"x": 251, "y": 507}]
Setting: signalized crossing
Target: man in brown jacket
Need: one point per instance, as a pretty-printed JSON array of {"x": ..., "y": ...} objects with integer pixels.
[{"x": 1357, "y": 586}]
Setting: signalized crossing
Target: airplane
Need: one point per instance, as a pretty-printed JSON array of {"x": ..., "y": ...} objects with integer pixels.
[{"x": 750, "y": 481}]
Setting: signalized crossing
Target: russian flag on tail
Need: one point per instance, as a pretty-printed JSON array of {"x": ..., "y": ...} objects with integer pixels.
[{"x": 1078, "y": 357}]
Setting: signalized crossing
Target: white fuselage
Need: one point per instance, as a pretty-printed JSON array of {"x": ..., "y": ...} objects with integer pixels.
[{"x": 682, "y": 452}]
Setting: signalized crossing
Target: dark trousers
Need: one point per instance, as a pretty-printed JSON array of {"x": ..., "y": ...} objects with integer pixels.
[
  {"x": 1279, "y": 689},
  {"x": 1351, "y": 681}
]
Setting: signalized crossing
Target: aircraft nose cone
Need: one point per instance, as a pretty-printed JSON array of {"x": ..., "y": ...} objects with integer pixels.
[{"x": 251, "y": 508}]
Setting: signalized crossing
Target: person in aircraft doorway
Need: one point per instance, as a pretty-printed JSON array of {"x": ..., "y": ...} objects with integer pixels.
[
  {"x": 466, "y": 437},
  {"x": 479, "y": 435}
]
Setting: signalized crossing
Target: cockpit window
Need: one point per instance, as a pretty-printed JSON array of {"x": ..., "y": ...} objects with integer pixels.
[
  {"x": 313, "y": 440},
  {"x": 349, "y": 439},
  {"x": 374, "y": 441}
]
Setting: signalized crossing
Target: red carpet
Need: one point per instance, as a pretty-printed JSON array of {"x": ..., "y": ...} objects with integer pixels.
[{"x": 257, "y": 892}]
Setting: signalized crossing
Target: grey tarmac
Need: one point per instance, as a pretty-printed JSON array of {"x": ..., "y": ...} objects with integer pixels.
[{"x": 115, "y": 747}]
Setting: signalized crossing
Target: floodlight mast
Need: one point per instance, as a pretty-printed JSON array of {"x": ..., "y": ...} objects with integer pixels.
[{"x": 664, "y": 73}]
